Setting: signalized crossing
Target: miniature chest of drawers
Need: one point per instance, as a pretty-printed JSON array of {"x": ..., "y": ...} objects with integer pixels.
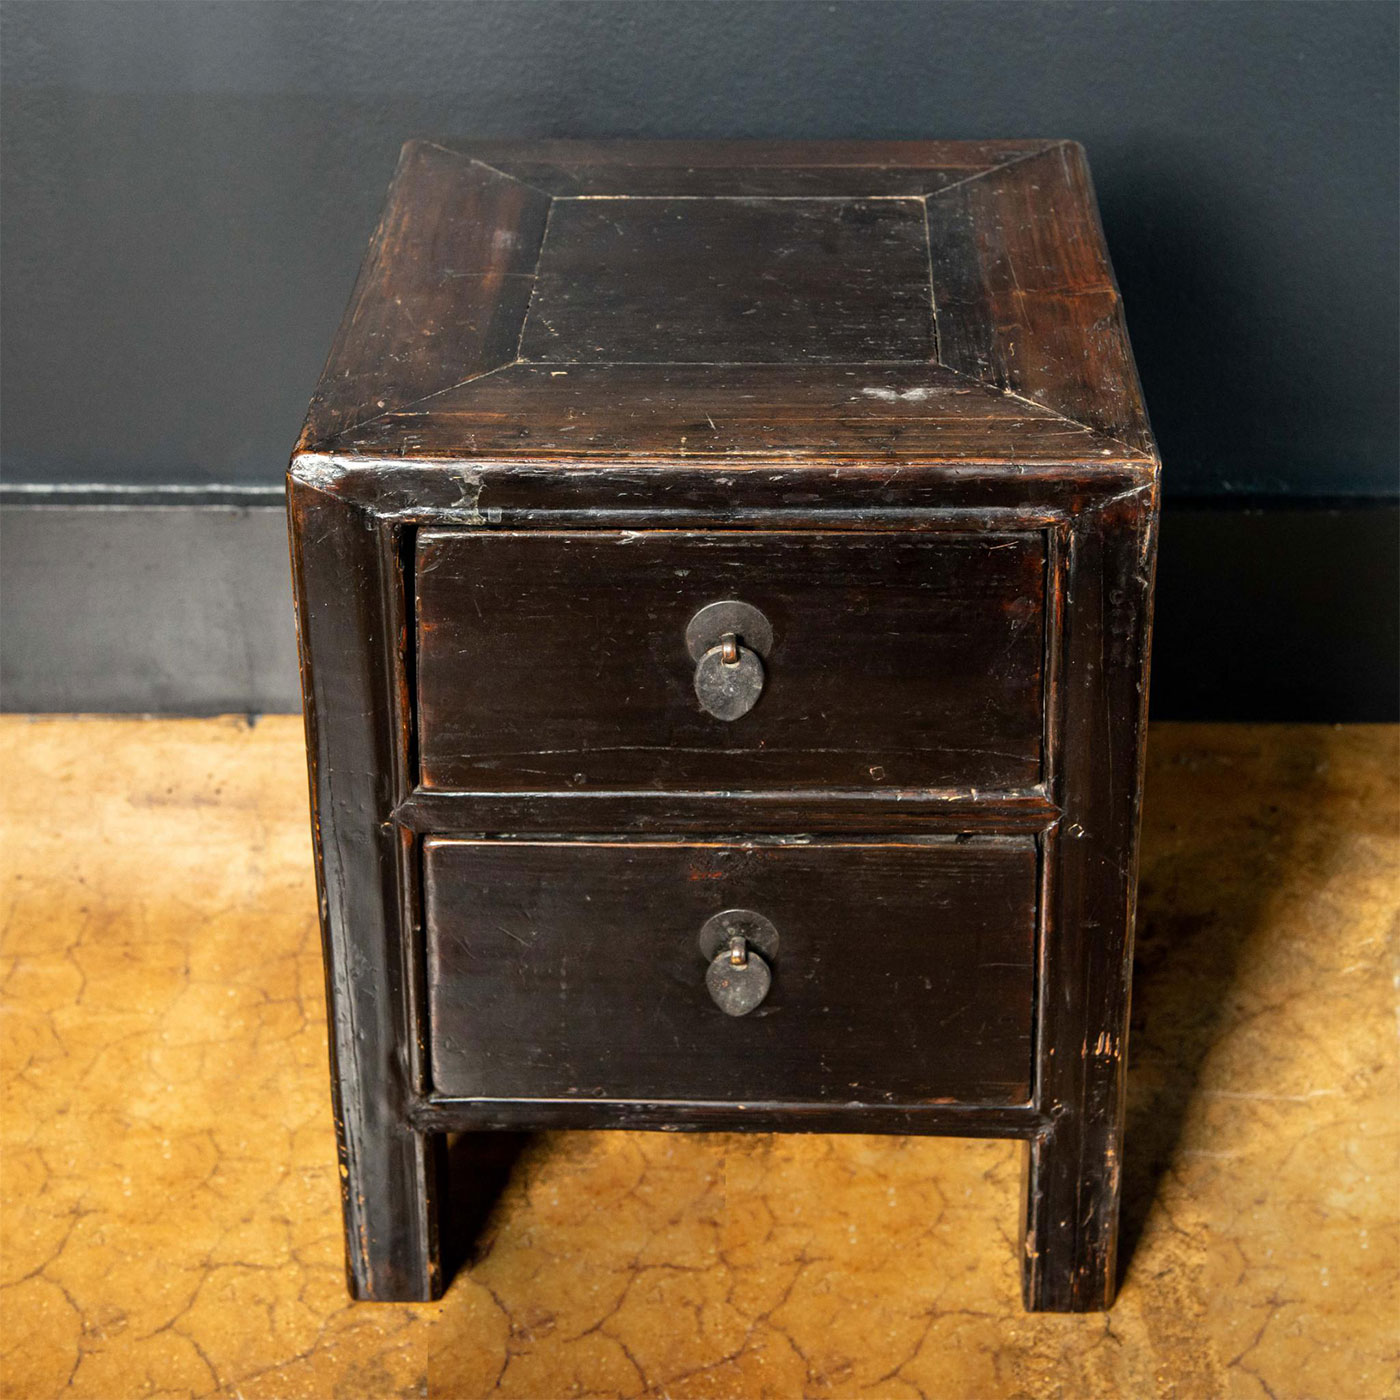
[{"x": 724, "y": 580}]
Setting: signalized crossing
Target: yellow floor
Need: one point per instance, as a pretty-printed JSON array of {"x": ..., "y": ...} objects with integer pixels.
[{"x": 171, "y": 1227}]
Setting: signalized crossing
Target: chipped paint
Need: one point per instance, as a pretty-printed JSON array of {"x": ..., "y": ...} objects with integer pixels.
[
  {"x": 918, "y": 394},
  {"x": 321, "y": 472}
]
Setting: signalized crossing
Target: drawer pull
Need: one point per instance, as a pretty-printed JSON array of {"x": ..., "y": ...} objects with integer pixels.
[
  {"x": 728, "y": 688},
  {"x": 728, "y": 641},
  {"x": 734, "y": 942}
]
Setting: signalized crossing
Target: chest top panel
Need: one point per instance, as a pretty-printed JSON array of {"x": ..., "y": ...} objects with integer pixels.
[
  {"x": 732, "y": 282},
  {"x": 562, "y": 302}
]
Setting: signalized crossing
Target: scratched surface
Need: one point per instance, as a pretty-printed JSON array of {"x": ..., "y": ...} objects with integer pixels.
[
  {"x": 170, "y": 1216},
  {"x": 878, "y": 303}
]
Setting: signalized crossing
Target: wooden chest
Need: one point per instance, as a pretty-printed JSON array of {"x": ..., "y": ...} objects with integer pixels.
[{"x": 724, "y": 581}]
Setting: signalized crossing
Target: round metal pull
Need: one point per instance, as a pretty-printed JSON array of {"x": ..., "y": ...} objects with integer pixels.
[
  {"x": 727, "y": 642},
  {"x": 728, "y": 679},
  {"x": 738, "y": 979},
  {"x": 734, "y": 942}
]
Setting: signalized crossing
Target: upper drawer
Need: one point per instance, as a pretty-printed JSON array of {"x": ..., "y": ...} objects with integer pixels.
[{"x": 559, "y": 660}]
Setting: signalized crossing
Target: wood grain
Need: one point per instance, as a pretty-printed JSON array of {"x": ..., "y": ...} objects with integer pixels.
[
  {"x": 690, "y": 493},
  {"x": 557, "y": 660},
  {"x": 732, "y": 281},
  {"x": 938, "y": 482},
  {"x": 818, "y": 288},
  {"x": 1026, "y": 297},
  {"x": 764, "y": 169},
  {"x": 442, "y": 292},
  {"x": 876, "y": 415},
  {"x": 389, "y": 1171},
  {"x": 571, "y": 969},
  {"x": 1074, "y": 1171}
]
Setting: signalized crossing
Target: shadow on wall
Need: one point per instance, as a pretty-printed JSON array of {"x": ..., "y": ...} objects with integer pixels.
[
  {"x": 1279, "y": 614},
  {"x": 1269, "y": 607},
  {"x": 1186, "y": 291},
  {"x": 1245, "y": 339}
]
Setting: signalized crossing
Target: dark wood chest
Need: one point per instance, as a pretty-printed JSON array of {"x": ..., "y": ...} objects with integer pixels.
[{"x": 724, "y": 581}]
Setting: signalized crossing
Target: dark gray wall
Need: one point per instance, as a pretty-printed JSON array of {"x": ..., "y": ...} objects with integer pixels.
[{"x": 187, "y": 188}]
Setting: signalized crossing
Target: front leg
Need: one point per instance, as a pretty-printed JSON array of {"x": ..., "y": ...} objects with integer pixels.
[
  {"x": 349, "y": 619},
  {"x": 1069, "y": 1234},
  {"x": 389, "y": 1186},
  {"x": 1070, "y": 1229}
]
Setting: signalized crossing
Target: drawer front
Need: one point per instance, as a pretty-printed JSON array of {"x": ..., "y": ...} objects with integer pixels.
[
  {"x": 559, "y": 660},
  {"x": 903, "y": 972}
]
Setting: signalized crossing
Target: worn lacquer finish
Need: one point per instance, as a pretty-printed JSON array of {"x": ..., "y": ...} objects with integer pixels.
[
  {"x": 549, "y": 659},
  {"x": 881, "y": 392},
  {"x": 575, "y": 970}
]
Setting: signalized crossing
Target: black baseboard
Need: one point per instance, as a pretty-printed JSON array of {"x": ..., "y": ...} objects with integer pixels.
[
  {"x": 180, "y": 603},
  {"x": 146, "y": 607},
  {"x": 1278, "y": 612}
]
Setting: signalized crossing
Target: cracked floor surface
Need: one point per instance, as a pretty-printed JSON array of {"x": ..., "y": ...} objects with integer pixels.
[{"x": 170, "y": 1219}]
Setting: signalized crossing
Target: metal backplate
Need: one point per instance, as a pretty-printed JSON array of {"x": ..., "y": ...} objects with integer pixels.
[
  {"x": 705, "y": 629},
  {"x": 753, "y": 928}
]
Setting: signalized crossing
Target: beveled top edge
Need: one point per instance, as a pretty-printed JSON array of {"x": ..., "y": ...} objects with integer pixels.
[
  {"x": 487, "y": 187},
  {"x": 580, "y": 155}
]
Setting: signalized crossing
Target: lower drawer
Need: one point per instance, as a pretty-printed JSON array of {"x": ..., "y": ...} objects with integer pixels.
[{"x": 903, "y": 972}]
